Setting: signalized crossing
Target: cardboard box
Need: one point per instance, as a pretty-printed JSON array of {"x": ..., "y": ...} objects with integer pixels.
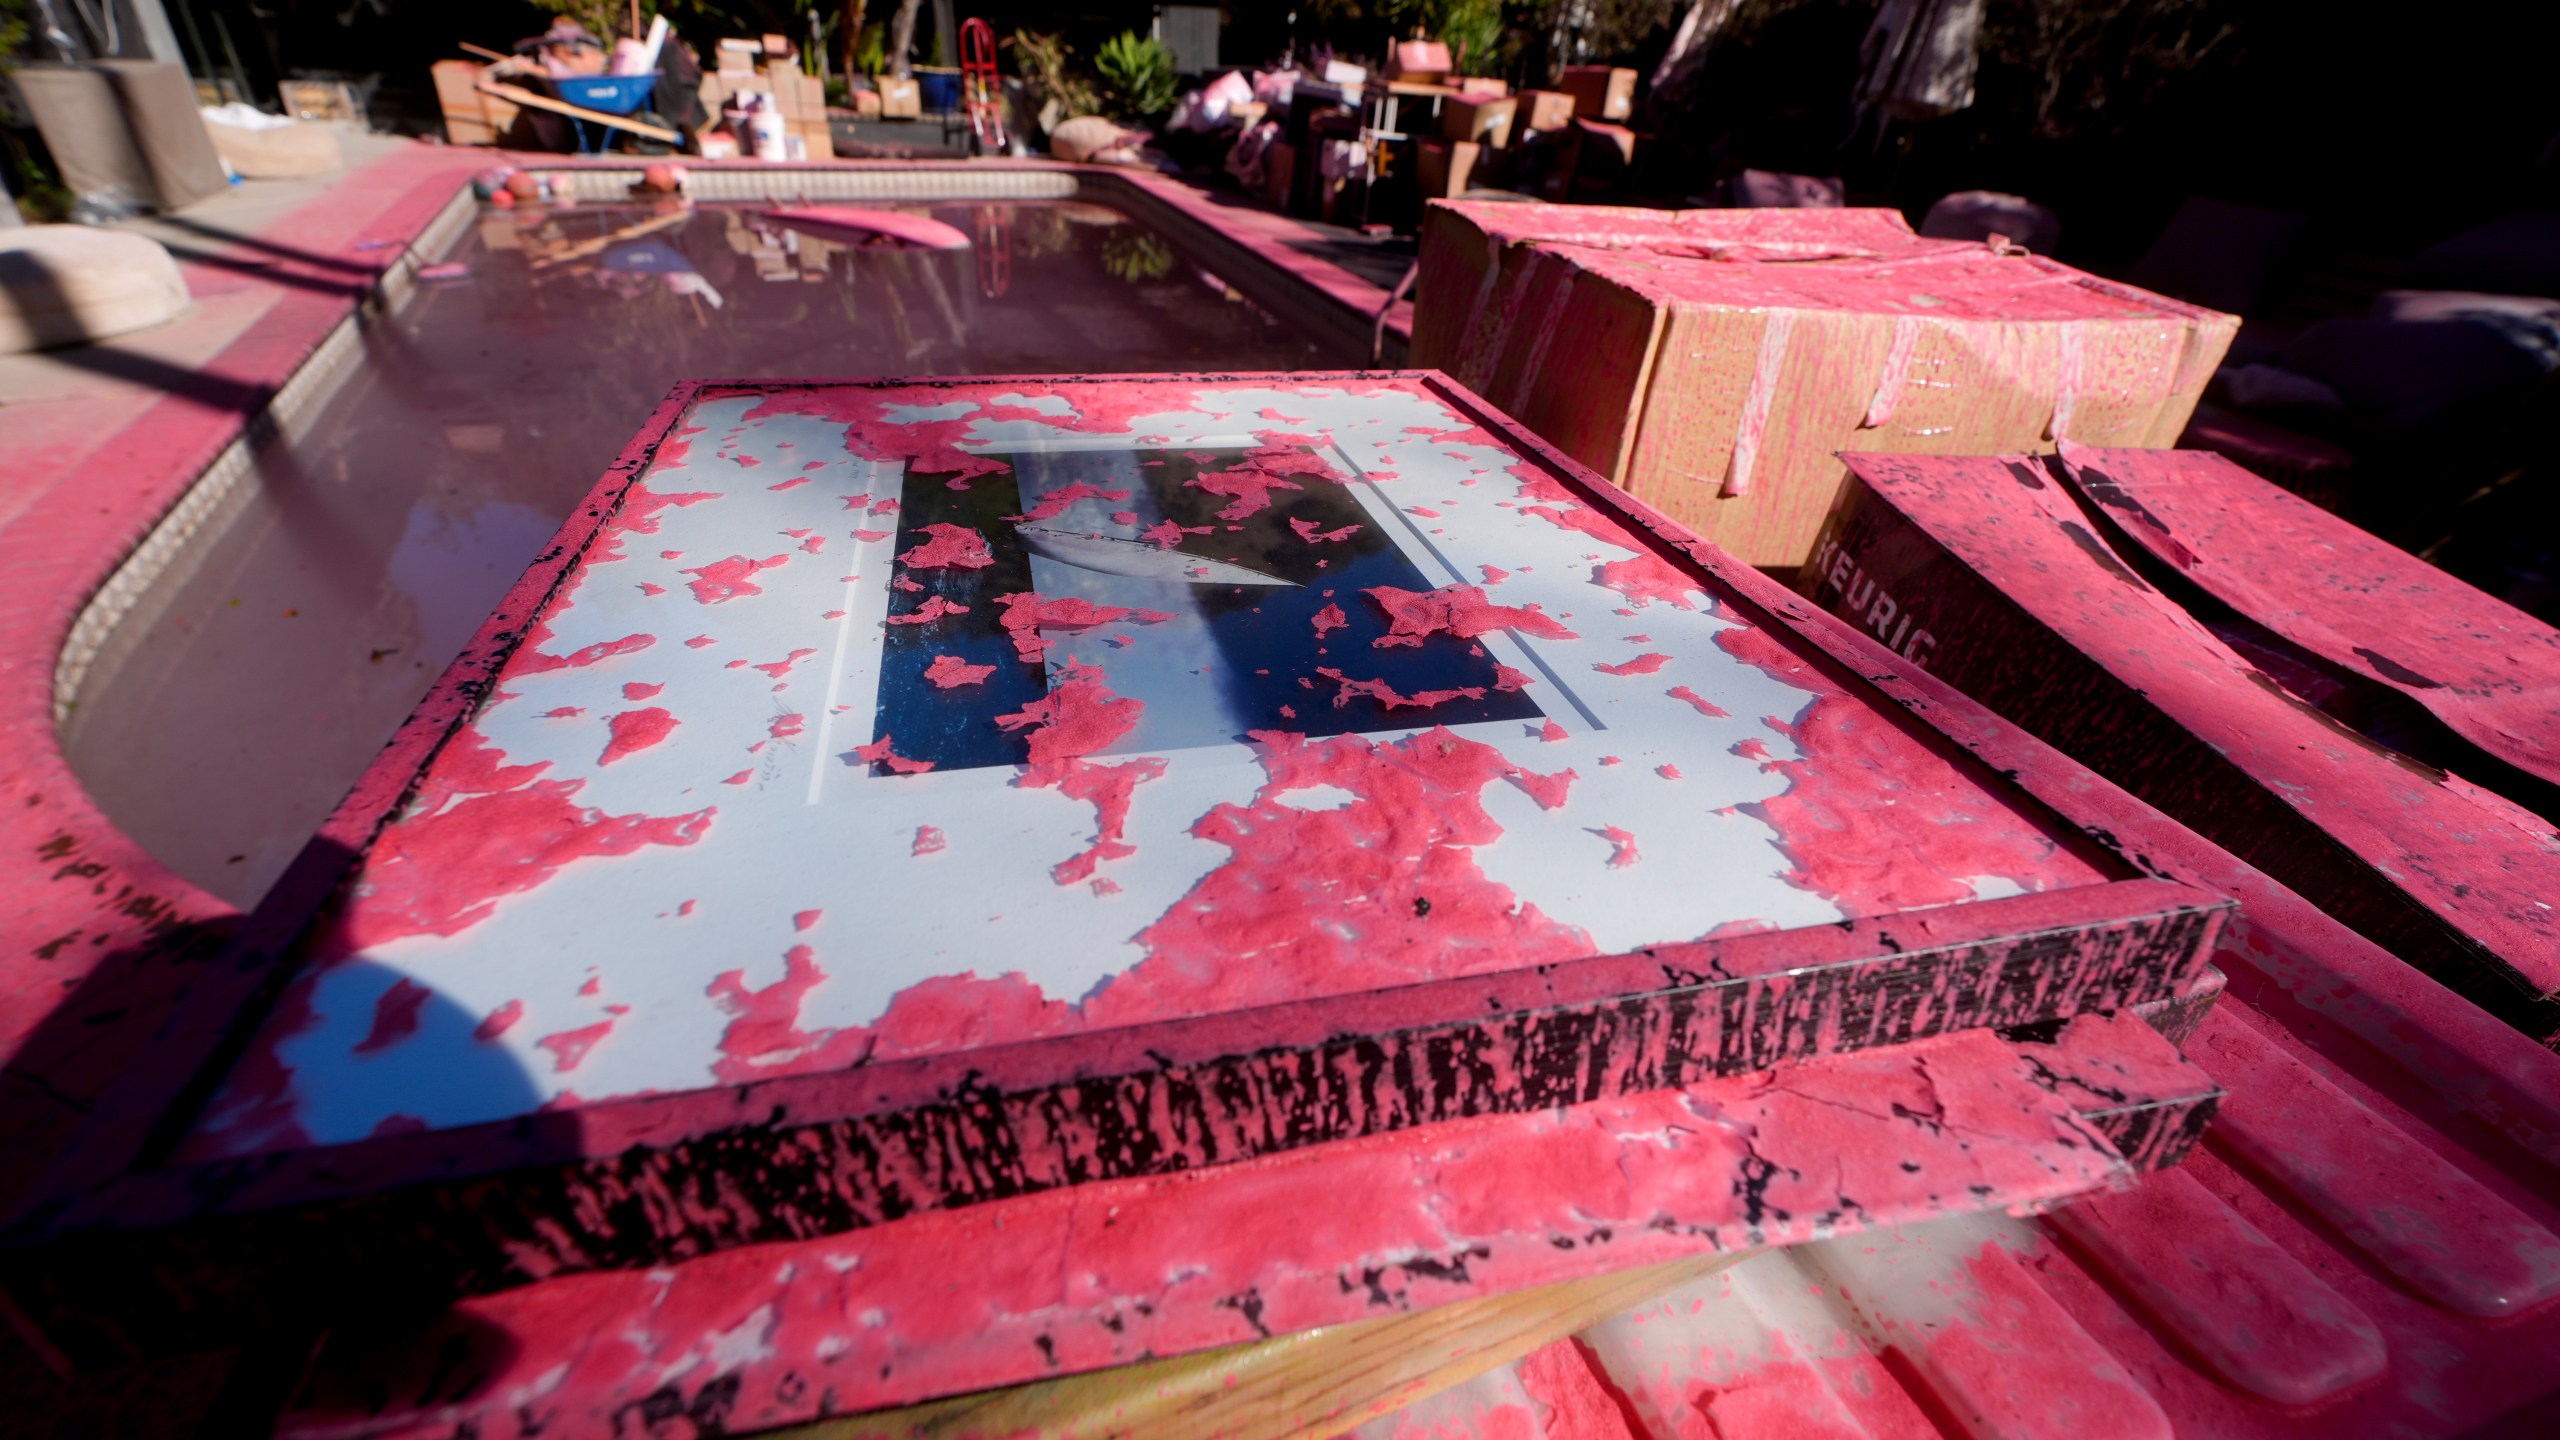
[
  {"x": 865, "y": 103},
  {"x": 1420, "y": 62},
  {"x": 1484, "y": 119},
  {"x": 738, "y": 57},
  {"x": 1445, "y": 168},
  {"x": 470, "y": 118},
  {"x": 1600, "y": 92},
  {"x": 1598, "y": 157},
  {"x": 900, "y": 99},
  {"x": 816, "y": 141},
  {"x": 1663, "y": 350},
  {"x": 1541, "y": 110},
  {"x": 1481, "y": 86},
  {"x": 320, "y": 100}
]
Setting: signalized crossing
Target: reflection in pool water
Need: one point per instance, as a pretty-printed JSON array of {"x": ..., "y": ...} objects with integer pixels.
[{"x": 266, "y": 669}]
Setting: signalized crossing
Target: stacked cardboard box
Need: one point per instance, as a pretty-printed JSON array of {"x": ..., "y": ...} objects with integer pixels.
[
  {"x": 470, "y": 117},
  {"x": 803, "y": 99},
  {"x": 1599, "y": 92},
  {"x": 1715, "y": 361}
]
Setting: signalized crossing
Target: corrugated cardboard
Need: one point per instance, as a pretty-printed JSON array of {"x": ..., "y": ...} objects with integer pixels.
[
  {"x": 1715, "y": 361},
  {"x": 1541, "y": 110},
  {"x": 1600, "y": 92},
  {"x": 470, "y": 117},
  {"x": 900, "y": 98},
  {"x": 1485, "y": 119}
]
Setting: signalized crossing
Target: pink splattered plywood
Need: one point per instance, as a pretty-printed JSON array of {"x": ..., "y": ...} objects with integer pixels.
[{"x": 1122, "y": 749}]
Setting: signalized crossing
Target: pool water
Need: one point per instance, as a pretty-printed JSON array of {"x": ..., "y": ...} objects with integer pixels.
[{"x": 276, "y": 658}]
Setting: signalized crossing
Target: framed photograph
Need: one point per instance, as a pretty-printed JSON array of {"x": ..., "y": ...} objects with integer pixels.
[{"x": 889, "y": 796}]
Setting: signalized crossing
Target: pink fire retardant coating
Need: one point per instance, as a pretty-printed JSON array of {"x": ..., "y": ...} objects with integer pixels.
[
  {"x": 1853, "y": 1141},
  {"x": 848, "y": 224},
  {"x": 1622, "y": 847},
  {"x": 950, "y": 671},
  {"x": 1055, "y": 503},
  {"x": 1027, "y": 613},
  {"x": 955, "y": 547},
  {"x": 1168, "y": 535},
  {"x": 395, "y": 1016},
  {"x": 1645, "y": 664},
  {"x": 731, "y": 579},
  {"x": 2483, "y": 667},
  {"x": 1387, "y": 695},
  {"x": 1329, "y": 618},
  {"x": 934, "y": 608},
  {"x": 1308, "y": 532},
  {"x": 1698, "y": 702},
  {"x": 634, "y": 731},
  {"x": 1578, "y": 1400},
  {"x": 1857, "y": 766},
  {"x": 928, "y": 841},
  {"x": 1547, "y": 790},
  {"x": 878, "y": 752},
  {"x": 1459, "y": 610}
]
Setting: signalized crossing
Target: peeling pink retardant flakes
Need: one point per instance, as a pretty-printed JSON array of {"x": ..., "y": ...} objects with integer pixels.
[
  {"x": 1381, "y": 891},
  {"x": 1425, "y": 511},
  {"x": 741, "y": 778},
  {"x": 395, "y": 1016},
  {"x": 1385, "y": 694},
  {"x": 1547, "y": 790},
  {"x": 635, "y": 731},
  {"x": 794, "y": 481},
  {"x": 867, "y": 536},
  {"x": 648, "y": 587},
  {"x": 1028, "y": 612},
  {"x": 725, "y": 580},
  {"x": 1495, "y": 574},
  {"x": 1751, "y": 749},
  {"x": 1647, "y": 578},
  {"x": 698, "y": 641},
  {"x": 1330, "y": 618},
  {"x": 639, "y": 516},
  {"x": 928, "y": 841},
  {"x": 1308, "y": 532},
  {"x": 1551, "y": 731},
  {"x": 1623, "y": 848},
  {"x": 1507, "y": 679},
  {"x": 934, "y": 608},
  {"x": 1168, "y": 535},
  {"x": 786, "y": 726},
  {"x": 570, "y": 1047},
  {"x": 1124, "y": 517},
  {"x": 482, "y": 830},
  {"x": 1249, "y": 486},
  {"x": 779, "y": 668},
  {"x": 803, "y": 919},
  {"x": 1580, "y": 1403},
  {"x": 565, "y": 712},
  {"x": 955, "y": 547},
  {"x": 1876, "y": 821},
  {"x": 639, "y": 690},
  {"x": 1078, "y": 717},
  {"x": 1698, "y": 702},
  {"x": 950, "y": 671},
  {"x": 1667, "y": 772},
  {"x": 1055, "y": 503},
  {"x": 531, "y": 661},
  {"x": 1459, "y": 610},
  {"x": 879, "y": 753},
  {"x": 1644, "y": 664},
  {"x": 499, "y": 1021}
]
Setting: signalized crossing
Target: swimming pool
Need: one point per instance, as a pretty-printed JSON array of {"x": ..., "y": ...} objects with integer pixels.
[{"x": 252, "y": 678}]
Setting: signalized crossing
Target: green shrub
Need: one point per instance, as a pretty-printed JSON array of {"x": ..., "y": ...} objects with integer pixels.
[{"x": 1138, "y": 74}]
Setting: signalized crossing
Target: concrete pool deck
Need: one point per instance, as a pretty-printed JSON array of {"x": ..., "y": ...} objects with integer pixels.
[{"x": 106, "y": 439}]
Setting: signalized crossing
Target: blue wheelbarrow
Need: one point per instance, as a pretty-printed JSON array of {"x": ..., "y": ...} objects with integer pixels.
[{"x": 618, "y": 102}]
